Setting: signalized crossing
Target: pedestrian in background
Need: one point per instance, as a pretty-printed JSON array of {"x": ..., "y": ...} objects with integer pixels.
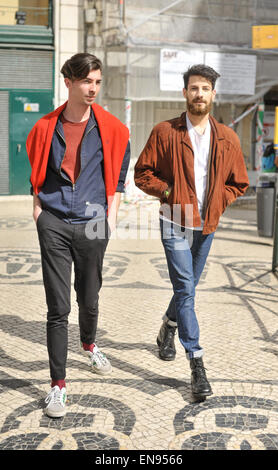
[
  {"x": 195, "y": 166},
  {"x": 79, "y": 156}
]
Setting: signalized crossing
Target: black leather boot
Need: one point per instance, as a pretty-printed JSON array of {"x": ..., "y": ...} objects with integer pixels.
[
  {"x": 199, "y": 382},
  {"x": 166, "y": 342}
]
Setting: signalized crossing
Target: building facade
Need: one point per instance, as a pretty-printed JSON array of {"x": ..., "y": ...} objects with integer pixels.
[
  {"x": 145, "y": 47},
  {"x": 36, "y": 37}
]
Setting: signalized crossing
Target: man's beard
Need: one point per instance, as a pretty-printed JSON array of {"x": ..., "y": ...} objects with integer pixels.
[{"x": 196, "y": 111}]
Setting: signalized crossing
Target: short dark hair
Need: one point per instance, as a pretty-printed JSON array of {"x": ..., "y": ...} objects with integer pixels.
[
  {"x": 204, "y": 71},
  {"x": 80, "y": 65}
]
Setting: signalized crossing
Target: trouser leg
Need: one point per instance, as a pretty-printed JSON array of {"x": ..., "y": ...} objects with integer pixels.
[
  {"x": 199, "y": 250},
  {"x": 88, "y": 254},
  {"x": 170, "y": 314},
  {"x": 55, "y": 242},
  {"x": 185, "y": 273}
]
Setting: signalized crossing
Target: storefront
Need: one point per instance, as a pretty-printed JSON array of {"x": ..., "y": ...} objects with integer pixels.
[{"x": 26, "y": 84}]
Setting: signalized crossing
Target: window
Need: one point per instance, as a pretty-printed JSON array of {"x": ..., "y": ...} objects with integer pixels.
[{"x": 25, "y": 12}]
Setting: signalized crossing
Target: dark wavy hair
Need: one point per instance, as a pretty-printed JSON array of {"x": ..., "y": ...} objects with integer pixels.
[
  {"x": 80, "y": 65},
  {"x": 204, "y": 71}
]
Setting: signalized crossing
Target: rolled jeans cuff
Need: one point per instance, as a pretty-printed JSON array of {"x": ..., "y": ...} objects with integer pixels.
[
  {"x": 169, "y": 322},
  {"x": 192, "y": 355}
]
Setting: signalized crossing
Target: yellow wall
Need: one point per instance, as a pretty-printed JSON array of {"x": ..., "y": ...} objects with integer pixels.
[
  {"x": 37, "y": 11},
  {"x": 265, "y": 37},
  {"x": 7, "y": 11}
]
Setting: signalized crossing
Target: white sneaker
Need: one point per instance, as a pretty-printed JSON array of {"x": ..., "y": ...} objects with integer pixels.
[
  {"x": 99, "y": 362},
  {"x": 56, "y": 400}
]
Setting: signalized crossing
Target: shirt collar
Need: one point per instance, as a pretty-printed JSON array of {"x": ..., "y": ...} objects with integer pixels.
[{"x": 190, "y": 126}]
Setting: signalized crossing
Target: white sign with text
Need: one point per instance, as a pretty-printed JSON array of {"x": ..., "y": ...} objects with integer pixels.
[
  {"x": 238, "y": 71},
  {"x": 173, "y": 64}
]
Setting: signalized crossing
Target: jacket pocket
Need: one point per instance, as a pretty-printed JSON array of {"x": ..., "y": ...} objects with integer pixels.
[{"x": 225, "y": 202}]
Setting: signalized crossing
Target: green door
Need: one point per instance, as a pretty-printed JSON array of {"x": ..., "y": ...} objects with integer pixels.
[{"x": 26, "y": 108}]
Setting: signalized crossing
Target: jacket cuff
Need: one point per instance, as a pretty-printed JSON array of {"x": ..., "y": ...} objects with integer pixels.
[{"x": 164, "y": 196}]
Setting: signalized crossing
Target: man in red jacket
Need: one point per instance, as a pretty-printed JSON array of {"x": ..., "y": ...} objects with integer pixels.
[
  {"x": 195, "y": 166},
  {"x": 79, "y": 156}
]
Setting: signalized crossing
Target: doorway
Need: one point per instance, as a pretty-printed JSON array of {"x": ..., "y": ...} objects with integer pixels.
[{"x": 26, "y": 107}]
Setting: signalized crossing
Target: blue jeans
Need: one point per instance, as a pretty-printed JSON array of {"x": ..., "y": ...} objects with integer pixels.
[{"x": 186, "y": 253}]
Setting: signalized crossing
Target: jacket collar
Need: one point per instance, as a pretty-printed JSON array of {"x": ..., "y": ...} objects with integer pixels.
[
  {"x": 91, "y": 122},
  {"x": 215, "y": 126}
]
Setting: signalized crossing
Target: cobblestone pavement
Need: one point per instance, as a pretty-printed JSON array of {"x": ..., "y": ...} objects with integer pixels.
[{"x": 146, "y": 403}]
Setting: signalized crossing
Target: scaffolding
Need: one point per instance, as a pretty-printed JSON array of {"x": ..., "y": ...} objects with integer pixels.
[{"x": 135, "y": 35}]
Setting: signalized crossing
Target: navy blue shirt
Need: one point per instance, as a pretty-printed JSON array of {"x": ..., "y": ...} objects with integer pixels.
[{"x": 86, "y": 198}]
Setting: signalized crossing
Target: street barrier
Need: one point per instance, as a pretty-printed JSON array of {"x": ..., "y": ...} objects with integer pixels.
[{"x": 275, "y": 242}]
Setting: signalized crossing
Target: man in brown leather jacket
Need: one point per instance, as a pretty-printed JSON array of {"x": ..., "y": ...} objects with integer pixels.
[{"x": 195, "y": 166}]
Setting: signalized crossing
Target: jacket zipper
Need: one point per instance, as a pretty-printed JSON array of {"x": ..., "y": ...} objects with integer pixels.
[
  {"x": 64, "y": 153},
  {"x": 89, "y": 130}
]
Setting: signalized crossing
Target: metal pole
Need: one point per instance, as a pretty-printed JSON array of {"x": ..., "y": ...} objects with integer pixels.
[
  {"x": 275, "y": 241},
  {"x": 259, "y": 139},
  {"x": 239, "y": 118},
  {"x": 275, "y": 141},
  {"x": 128, "y": 108},
  {"x": 122, "y": 11},
  {"x": 127, "y": 93}
]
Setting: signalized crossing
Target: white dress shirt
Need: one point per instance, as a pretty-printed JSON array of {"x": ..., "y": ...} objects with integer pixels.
[{"x": 201, "y": 146}]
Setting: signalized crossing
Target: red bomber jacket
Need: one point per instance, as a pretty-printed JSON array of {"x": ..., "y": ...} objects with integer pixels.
[{"x": 114, "y": 136}]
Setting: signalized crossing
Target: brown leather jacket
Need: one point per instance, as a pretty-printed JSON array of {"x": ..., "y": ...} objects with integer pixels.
[{"x": 168, "y": 160}]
